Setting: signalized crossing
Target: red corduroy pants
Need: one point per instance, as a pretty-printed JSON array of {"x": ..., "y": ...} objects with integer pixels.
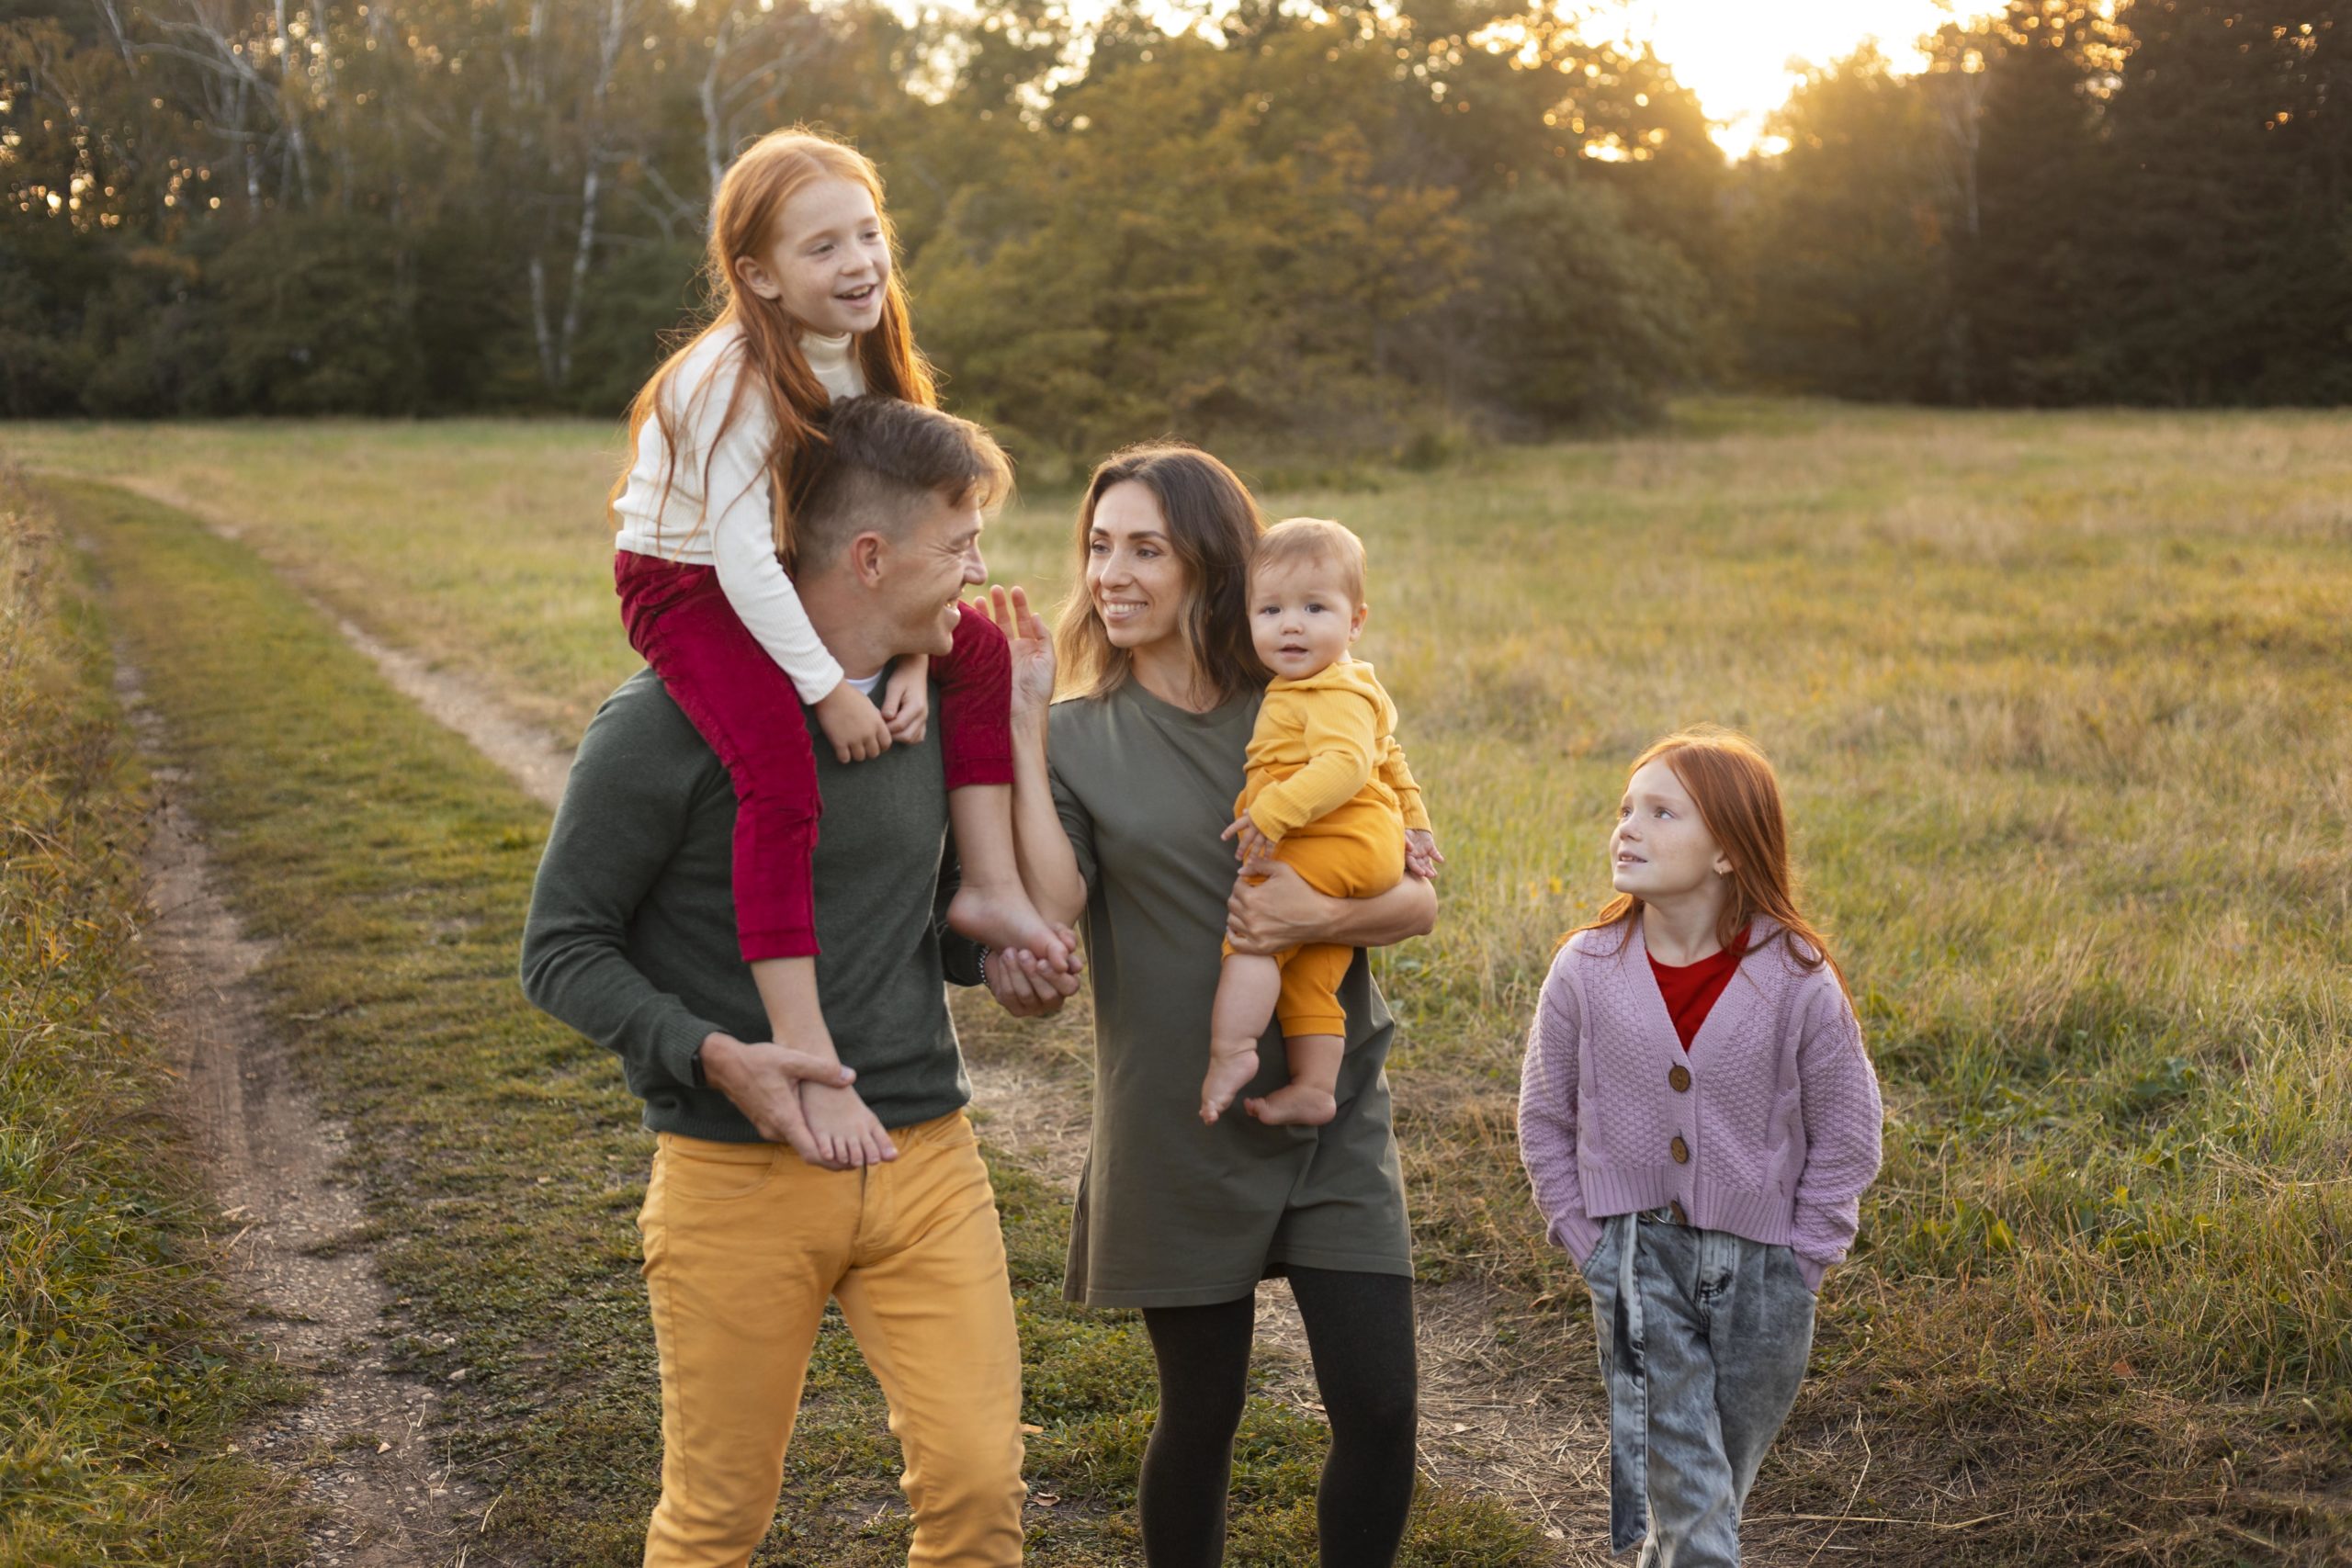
[{"x": 746, "y": 707}]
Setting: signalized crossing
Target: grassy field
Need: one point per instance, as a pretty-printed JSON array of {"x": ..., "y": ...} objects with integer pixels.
[
  {"x": 2061, "y": 701},
  {"x": 122, "y": 1375}
]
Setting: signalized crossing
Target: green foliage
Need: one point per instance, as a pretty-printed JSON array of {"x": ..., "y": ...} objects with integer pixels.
[
  {"x": 120, "y": 1375},
  {"x": 1589, "y": 321},
  {"x": 1842, "y": 264},
  {"x": 1260, "y": 227},
  {"x": 1181, "y": 255},
  {"x": 2230, "y": 263},
  {"x": 632, "y": 304},
  {"x": 2066, "y": 208},
  {"x": 313, "y": 319},
  {"x": 1306, "y": 228}
]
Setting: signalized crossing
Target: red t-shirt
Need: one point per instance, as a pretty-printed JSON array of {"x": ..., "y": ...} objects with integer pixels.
[{"x": 1690, "y": 989}]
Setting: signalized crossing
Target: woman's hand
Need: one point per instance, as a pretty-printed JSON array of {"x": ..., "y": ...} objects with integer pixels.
[
  {"x": 1281, "y": 911},
  {"x": 1033, "y": 651},
  {"x": 1025, "y": 988}
]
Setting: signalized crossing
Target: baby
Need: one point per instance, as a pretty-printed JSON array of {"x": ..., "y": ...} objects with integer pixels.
[{"x": 1327, "y": 794}]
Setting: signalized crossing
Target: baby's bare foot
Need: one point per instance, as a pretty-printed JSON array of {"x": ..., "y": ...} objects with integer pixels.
[
  {"x": 1295, "y": 1105},
  {"x": 844, "y": 1128},
  {"x": 1007, "y": 920},
  {"x": 1227, "y": 1076}
]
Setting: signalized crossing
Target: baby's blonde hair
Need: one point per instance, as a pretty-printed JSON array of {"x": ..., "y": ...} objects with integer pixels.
[{"x": 1297, "y": 540}]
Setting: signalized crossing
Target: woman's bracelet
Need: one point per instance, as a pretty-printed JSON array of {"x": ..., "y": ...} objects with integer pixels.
[{"x": 984, "y": 966}]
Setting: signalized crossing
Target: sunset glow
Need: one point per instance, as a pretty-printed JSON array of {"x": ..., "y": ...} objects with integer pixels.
[{"x": 1740, "y": 56}]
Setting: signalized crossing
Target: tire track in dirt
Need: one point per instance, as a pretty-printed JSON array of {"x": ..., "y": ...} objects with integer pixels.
[
  {"x": 528, "y": 756},
  {"x": 299, "y": 1254},
  {"x": 1535, "y": 1439}
]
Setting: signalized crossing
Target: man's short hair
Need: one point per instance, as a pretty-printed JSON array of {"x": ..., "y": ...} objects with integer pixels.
[
  {"x": 1317, "y": 540},
  {"x": 883, "y": 459}
]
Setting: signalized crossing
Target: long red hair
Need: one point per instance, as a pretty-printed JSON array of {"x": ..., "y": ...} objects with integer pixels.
[
  {"x": 1738, "y": 796},
  {"x": 743, "y": 214}
]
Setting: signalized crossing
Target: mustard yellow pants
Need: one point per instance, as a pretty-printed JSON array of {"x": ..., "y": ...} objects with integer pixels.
[
  {"x": 745, "y": 1243},
  {"x": 1356, "y": 851}
]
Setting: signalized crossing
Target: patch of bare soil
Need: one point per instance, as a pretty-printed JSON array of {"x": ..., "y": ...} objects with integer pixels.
[
  {"x": 298, "y": 1252},
  {"x": 1535, "y": 1436}
]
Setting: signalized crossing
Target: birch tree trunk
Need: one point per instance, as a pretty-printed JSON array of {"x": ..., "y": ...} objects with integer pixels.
[
  {"x": 591, "y": 184},
  {"x": 290, "y": 111},
  {"x": 774, "y": 42},
  {"x": 713, "y": 121},
  {"x": 339, "y": 112}
]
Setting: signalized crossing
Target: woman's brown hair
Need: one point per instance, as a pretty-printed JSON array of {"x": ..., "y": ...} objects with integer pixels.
[
  {"x": 743, "y": 214},
  {"x": 1738, "y": 796},
  {"x": 1213, "y": 525}
]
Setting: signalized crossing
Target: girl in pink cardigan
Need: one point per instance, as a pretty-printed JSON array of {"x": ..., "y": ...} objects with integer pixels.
[{"x": 1700, "y": 1121}]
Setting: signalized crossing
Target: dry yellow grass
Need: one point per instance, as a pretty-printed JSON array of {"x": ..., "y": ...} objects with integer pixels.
[{"x": 2061, "y": 701}]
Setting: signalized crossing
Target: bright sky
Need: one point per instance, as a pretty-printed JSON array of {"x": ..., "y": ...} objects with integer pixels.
[{"x": 1737, "y": 54}]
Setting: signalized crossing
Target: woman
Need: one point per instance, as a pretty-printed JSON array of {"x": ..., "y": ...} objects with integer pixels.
[{"x": 1120, "y": 793}]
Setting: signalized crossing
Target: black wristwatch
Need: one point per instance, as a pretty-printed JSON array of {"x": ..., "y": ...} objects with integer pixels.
[{"x": 694, "y": 1065}]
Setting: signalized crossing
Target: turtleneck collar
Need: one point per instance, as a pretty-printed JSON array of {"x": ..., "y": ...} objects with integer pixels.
[{"x": 835, "y": 359}]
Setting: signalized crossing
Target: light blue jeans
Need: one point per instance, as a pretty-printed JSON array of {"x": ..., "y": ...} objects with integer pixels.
[{"x": 1704, "y": 1340}]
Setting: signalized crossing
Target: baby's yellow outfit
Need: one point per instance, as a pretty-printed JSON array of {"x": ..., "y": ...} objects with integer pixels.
[{"x": 1328, "y": 783}]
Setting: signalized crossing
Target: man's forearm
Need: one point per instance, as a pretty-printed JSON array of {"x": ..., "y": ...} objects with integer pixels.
[{"x": 591, "y": 984}]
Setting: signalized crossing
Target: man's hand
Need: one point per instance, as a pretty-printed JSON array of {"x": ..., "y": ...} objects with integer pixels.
[
  {"x": 1281, "y": 911},
  {"x": 852, "y": 723},
  {"x": 1024, "y": 987},
  {"x": 764, "y": 1080},
  {"x": 906, "y": 699}
]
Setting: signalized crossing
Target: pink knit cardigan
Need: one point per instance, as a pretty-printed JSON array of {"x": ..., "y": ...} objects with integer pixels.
[{"x": 1767, "y": 1128}]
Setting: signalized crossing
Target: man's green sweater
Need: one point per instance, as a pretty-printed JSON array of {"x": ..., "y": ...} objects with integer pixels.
[{"x": 631, "y": 939}]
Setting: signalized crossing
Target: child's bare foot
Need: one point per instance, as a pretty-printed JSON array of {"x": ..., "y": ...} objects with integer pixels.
[
  {"x": 1295, "y": 1105},
  {"x": 846, "y": 1131},
  {"x": 1007, "y": 920},
  {"x": 1228, "y": 1073}
]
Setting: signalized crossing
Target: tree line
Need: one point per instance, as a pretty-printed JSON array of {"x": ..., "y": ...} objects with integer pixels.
[
  {"x": 2067, "y": 206},
  {"x": 1365, "y": 227}
]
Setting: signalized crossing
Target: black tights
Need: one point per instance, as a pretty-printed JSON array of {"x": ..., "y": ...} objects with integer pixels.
[{"x": 1360, "y": 1330}]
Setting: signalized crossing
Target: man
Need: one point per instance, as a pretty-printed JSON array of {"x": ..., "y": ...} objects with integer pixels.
[{"x": 747, "y": 1232}]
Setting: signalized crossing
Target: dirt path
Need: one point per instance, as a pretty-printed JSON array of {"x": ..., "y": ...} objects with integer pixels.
[
  {"x": 298, "y": 1254},
  {"x": 528, "y": 756},
  {"x": 1535, "y": 1440}
]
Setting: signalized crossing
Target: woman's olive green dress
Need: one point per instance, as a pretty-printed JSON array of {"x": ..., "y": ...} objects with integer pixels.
[{"x": 1171, "y": 1212}]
